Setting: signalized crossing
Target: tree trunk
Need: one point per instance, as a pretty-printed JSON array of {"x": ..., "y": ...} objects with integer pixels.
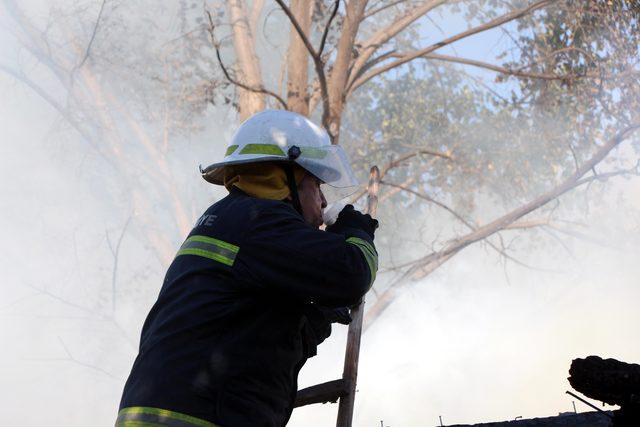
[
  {"x": 331, "y": 119},
  {"x": 298, "y": 60},
  {"x": 247, "y": 61}
]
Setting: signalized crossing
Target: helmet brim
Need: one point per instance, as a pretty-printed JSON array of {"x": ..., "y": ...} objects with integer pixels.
[{"x": 214, "y": 173}]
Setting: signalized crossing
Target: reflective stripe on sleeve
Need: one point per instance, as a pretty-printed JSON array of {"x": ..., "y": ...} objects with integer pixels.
[
  {"x": 142, "y": 416},
  {"x": 369, "y": 253},
  {"x": 211, "y": 248}
]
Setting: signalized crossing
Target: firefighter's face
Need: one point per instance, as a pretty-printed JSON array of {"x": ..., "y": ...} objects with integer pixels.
[{"x": 312, "y": 200}]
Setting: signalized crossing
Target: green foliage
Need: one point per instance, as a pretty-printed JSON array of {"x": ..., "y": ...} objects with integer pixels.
[{"x": 513, "y": 147}]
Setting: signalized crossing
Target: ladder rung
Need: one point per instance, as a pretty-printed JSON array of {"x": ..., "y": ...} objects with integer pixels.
[{"x": 330, "y": 391}]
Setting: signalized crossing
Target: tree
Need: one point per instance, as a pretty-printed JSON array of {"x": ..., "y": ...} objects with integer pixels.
[
  {"x": 562, "y": 47},
  {"x": 574, "y": 58}
]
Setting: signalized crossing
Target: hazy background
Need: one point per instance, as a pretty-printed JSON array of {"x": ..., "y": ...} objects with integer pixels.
[{"x": 476, "y": 341}]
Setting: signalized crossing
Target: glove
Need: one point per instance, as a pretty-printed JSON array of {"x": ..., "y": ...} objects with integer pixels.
[
  {"x": 340, "y": 315},
  {"x": 317, "y": 328},
  {"x": 351, "y": 218}
]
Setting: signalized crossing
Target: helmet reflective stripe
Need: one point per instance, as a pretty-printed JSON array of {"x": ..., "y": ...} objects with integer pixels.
[
  {"x": 268, "y": 136},
  {"x": 271, "y": 149},
  {"x": 231, "y": 149},
  {"x": 313, "y": 153}
]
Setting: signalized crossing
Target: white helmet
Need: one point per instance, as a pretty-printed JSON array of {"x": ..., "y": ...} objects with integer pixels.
[{"x": 280, "y": 135}]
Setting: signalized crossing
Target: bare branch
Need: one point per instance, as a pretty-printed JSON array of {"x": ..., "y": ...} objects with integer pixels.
[
  {"x": 374, "y": 10},
  {"x": 233, "y": 81},
  {"x": 424, "y": 167},
  {"x": 375, "y": 61},
  {"x": 508, "y": 257},
  {"x": 429, "y": 199},
  {"x": 525, "y": 225},
  {"x": 385, "y": 34},
  {"x": 565, "y": 50},
  {"x": 247, "y": 87},
  {"x": 116, "y": 252},
  {"x": 559, "y": 241},
  {"x": 410, "y": 180},
  {"x": 499, "y": 69},
  {"x": 419, "y": 53},
  {"x": 514, "y": 72},
  {"x": 328, "y": 26},
  {"x": 296, "y": 25},
  {"x": 398, "y": 162},
  {"x": 85, "y": 364},
  {"x": 471, "y": 226},
  {"x": 607, "y": 175},
  {"x": 60, "y": 299},
  {"x": 93, "y": 35}
]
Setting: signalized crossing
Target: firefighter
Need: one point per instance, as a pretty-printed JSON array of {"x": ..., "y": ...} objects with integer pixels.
[{"x": 255, "y": 286}]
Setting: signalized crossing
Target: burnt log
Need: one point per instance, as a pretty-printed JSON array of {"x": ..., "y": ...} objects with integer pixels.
[
  {"x": 610, "y": 381},
  {"x": 606, "y": 380}
]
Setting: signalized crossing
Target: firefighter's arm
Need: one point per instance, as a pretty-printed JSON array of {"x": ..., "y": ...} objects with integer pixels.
[{"x": 284, "y": 254}]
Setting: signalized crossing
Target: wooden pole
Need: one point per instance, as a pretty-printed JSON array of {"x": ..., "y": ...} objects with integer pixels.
[{"x": 350, "y": 372}]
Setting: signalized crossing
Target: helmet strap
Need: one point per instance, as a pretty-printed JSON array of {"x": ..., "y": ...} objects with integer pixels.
[{"x": 293, "y": 154}]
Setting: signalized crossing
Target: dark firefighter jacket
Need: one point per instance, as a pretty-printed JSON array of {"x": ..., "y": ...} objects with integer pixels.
[{"x": 236, "y": 319}]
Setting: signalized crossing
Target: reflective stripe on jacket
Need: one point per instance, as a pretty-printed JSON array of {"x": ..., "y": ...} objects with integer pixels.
[
  {"x": 236, "y": 317},
  {"x": 139, "y": 416}
]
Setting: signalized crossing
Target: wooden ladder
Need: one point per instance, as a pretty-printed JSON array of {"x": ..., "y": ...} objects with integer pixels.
[{"x": 344, "y": 388}]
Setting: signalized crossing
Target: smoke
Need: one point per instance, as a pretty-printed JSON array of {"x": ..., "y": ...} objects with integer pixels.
[
  {"x": 471, "y": 346},
  {"x": 479, "y": 340}
]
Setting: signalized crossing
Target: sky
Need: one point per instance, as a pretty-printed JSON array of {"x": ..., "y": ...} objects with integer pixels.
[{"x": 474, "y": 342}]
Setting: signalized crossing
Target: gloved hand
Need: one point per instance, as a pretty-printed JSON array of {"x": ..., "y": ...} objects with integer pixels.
[
  {"x": 316, "y": 328},
  {"x": 340, "y": 315},
  {"x": 351, "y": 218}
]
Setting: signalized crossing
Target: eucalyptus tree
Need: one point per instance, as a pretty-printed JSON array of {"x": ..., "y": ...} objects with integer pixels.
[
  {"x": 441, "y": 135},
  {"x": 565, "y": 99}
]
